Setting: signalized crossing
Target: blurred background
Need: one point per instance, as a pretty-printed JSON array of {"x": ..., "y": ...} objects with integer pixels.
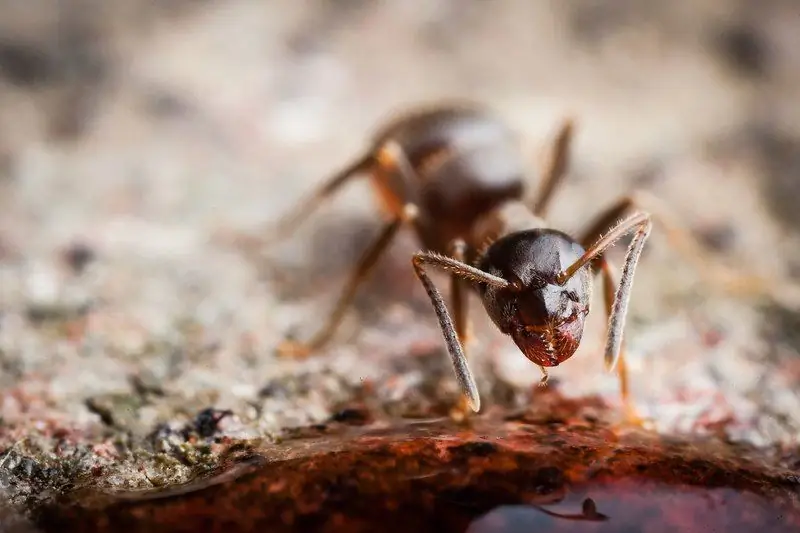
[{"x": 146, "y": 146}]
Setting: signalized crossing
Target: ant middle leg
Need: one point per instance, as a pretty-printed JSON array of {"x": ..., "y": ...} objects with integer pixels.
[
  {"x": 712, "y": 271},
  {"x": 458, "y": 295},
  {"x": 359, "y": 274},
  {"x": 556, "y": 170},
  {"x": 616, "y": 302},
  {"x": 460, "y": 305},
  {"x": 610, "y": 282}
]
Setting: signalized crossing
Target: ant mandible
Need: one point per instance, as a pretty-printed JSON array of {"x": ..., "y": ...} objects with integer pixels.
[{"x": 455, "y": 173}]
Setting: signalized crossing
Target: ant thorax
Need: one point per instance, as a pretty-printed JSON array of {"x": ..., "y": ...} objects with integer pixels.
[{"x": 508, "y": 218}]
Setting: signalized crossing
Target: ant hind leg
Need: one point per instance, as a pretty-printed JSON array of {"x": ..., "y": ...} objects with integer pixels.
[
  {"x": 725, "y": 279},
  {"x": 303, "y": 209},
  {"x": 556, "y": 169},
  {"x": 359, "y": 274}
]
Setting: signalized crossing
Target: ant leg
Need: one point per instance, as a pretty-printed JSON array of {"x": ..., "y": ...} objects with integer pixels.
[
  {"x": 363, "y": 268},
  {"x": 641, "y": 224},
  {"x": 457, "y": 293},
  {"x": 457, "y": 268},
  {"x": 390, "y": 157},
  {"x": 556, "y": 169},
  {"x": 609, "y": 283},
  {"x": 291, "y": 220},
  {"x": 460, "y": 305},
  {"x": 715, "y": 274}
]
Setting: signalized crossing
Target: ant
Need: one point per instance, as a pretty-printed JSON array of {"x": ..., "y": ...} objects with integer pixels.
[{"x": 455, "y": 174}]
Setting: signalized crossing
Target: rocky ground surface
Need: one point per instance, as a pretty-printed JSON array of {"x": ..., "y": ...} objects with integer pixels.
[{"x": 141, "y": 144}]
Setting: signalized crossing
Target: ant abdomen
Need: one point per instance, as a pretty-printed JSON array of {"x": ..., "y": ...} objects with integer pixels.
[
  {"x": 452, "y": 128},
  {"x": 462, "y": 187}
]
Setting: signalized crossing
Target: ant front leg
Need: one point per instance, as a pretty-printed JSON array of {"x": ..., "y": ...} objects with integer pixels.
[
  {"x": 616, "y": 302},
  {"x": 610, "y": 283},
  {"x": 362, "y": 270},
  {"x": 641, "y": 224},
  {"x": 456, "y": 268}
]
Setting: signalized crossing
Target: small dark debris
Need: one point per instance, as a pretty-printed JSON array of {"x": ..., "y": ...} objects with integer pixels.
[
  {"x": 100, "y": 410},
  {"x": 206, "y": 423},
  {"x": 42, "y": 314},
  {"x": 78, "y": 256},
  {"x": 743, "y": 48},
  {"x": 164, "y": 104},
  {"x": 146, "y": 384},
  {"x": 25, "y": 65},
  {"x": 116, "y": 410},
  {"x": 648, "y": 174},
  {"x": 164, "y": 437},
  {"x": 352, "y": 416},
  {"x": 719, "y": 237}
]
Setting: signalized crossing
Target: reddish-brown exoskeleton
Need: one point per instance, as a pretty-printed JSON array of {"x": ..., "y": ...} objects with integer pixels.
[{"x": 457, "y": 176}]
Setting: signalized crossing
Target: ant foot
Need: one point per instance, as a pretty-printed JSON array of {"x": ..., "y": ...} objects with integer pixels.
[
  {"x": 461, "y": 412},
  {"x": 293, "y": 349},
  {"x": 633, "y": 418}
]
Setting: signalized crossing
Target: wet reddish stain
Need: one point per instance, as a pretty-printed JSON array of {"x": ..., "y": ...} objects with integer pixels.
[{"x": 501, "y": 474}]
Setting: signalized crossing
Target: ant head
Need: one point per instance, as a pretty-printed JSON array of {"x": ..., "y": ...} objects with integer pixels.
[{"x": 544, "y": 319}]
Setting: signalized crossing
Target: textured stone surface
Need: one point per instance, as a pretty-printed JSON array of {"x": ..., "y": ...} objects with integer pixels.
[{"x": 139, "y": 142}]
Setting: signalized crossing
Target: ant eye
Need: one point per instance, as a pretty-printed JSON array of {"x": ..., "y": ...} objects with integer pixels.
[{"x": 572, "y": 295}]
